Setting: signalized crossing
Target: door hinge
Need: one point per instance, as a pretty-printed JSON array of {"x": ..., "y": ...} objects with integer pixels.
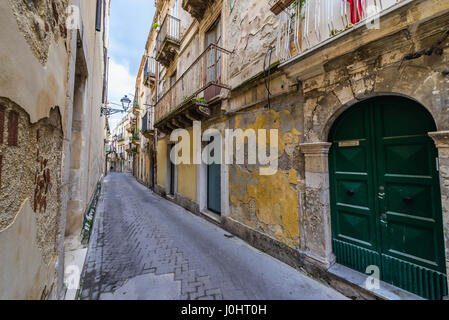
[{"x": 438, "y": 164}]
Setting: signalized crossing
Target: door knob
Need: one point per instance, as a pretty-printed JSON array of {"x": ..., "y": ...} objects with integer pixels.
[{"x": 381, "y": 195}]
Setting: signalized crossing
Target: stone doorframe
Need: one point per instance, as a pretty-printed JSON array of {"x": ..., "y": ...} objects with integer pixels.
[
  {"x": 317, "y": 213},
  {"x": 167, "y": 172},
  {"x": 441, "y": 139}
]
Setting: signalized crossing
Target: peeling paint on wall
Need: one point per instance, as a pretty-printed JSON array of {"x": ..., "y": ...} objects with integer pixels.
[
  {"x": 29, "y": 171},
  {"x": 40, "y": 22},
  {"x": 270, "y": 204}
]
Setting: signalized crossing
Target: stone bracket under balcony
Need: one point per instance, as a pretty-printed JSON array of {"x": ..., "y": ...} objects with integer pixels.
[
  {"x": 168, "y": 52},
  {"x": 184, "y": 116},
  {"x": 196, "y": 8},
  {"x": 148, "y": 133},
  {"x": 149, "y": 79}
]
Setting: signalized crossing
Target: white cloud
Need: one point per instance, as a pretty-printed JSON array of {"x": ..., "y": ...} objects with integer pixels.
[{"x": 121, "y": 82}]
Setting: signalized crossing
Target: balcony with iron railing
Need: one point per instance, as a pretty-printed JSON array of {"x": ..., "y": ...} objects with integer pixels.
[
  {"x": 135, "y": 138},
  {"x": 196, "y": 8},
  {"x": 190, "y": 97},
  {"x": 131, "y": 127},
  {"x": 306, "y": 24},
  {"x": 148, "y": 122},
  {"x": 168, "y": 40},
  {"x": 149, "y": 71}
]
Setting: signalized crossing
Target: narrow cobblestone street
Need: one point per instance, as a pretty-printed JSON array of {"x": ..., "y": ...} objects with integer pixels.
[{"x": 145, "y": 247}]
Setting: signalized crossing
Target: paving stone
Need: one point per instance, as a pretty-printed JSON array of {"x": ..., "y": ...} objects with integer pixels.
[{"x": 139, "y": 233}]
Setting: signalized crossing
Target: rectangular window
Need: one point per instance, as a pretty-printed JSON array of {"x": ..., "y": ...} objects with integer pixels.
[
  {"x": 98, "y": 16},
  {"x": 13, "y": 128}
]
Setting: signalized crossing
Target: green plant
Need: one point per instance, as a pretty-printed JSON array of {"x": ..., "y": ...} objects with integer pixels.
[
  {"x": 155, "y": 25},
  {"x": 300, "y": 3},
  {"x": 199, "y": 100}
]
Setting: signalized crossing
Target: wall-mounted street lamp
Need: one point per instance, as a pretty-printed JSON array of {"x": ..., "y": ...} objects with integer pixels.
[{"x": 107, "y": 110}]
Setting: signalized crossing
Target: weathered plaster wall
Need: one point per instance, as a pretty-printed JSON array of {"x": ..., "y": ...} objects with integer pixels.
[
  {"x": 22, "y": 256},
  {"x": 271, "y": 204},
  {"x": 250, "y": 31},
  {"x": 29, "y": 172},
  {"x": 42, "y": 82},
  {"x": 361, "y": 64},
  {"x": 40, "y": 22}
]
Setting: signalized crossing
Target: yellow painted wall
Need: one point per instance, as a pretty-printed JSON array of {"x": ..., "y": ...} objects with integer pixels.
[
  {"x": 187, "y": 175},
  {"x": 268, "y": 203},
  {"x": 161, "y": 161}
]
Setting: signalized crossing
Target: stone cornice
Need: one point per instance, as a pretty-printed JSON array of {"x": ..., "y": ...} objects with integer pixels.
[
  {"x": 315, "y": 148},
  {"x": 441, "y": 138}
]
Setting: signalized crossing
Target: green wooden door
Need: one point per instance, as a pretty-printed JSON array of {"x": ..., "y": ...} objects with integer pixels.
[
  {"x": 214, "y": 185},
  {"x": 385, "y": 195},
  {"x": 172, "y": 174}
]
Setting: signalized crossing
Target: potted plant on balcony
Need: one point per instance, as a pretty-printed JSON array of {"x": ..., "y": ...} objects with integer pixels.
[{"x": 135, "y": 137}]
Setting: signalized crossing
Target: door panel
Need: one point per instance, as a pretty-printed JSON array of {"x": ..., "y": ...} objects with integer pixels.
[
  {"x": 354, "y": 215},
  {"x": 214, "y": 183},
  {"x": 214, "y": 188},
  {"x": 392, "y": 203}
]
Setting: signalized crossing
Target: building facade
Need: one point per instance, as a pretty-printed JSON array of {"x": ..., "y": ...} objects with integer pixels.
[
  {"x": 359, "y": 96},
  {"x": 121, "y": 137},
  {"x": 52, "y": 89}
]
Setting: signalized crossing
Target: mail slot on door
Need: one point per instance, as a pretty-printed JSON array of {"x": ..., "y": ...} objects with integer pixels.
[{"x": 349, "y": 143}]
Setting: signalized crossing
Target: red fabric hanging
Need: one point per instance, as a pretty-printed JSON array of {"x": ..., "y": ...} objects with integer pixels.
[{"x": 355, "y": 16}]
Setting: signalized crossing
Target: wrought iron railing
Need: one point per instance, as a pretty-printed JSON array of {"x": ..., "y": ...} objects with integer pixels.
[
  {"x": 170, "y": 30},
  {"x": 150, "y": 67},
  {"x": 203, "y": 79},
  {"x": 148, "y": 120},
  {"x": 310, "y": 23}
]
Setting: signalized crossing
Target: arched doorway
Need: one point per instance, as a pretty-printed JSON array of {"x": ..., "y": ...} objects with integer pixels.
[{"x": 385, "y": 194}]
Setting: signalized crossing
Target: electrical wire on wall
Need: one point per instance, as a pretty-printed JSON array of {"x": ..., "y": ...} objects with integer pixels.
[{"x": 267, "y": 73}]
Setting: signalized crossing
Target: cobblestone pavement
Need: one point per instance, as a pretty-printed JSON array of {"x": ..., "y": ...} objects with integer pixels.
[{"x": 145, "y": 247}]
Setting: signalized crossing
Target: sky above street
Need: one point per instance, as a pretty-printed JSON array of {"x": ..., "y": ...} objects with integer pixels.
[{"x": 130, "y": 23}]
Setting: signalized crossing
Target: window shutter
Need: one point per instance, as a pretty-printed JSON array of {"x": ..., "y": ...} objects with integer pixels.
[{"x": 98, "y": 16}]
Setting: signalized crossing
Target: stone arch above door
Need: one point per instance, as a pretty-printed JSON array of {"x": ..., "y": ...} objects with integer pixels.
[{"x": 321, "y": 112}]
